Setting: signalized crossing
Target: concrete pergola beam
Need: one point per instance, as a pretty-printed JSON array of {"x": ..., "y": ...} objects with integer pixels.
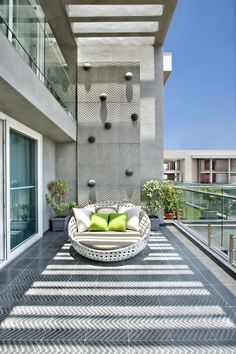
[
  {"x": 169, "y": 9},
  {"x": 115, "y": 18},
  {"x": 115, "y": 34},
  {"x": 164, "y": 19},
  {"x": 57, "y": 17},
  {"x": 118, "y": 2}
]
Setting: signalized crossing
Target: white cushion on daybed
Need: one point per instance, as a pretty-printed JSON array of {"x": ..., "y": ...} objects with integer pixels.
[
  {"x": 82, "y": 217},
  {"x": 108, "y": 240},
  {"x": 133, "y": 216}
]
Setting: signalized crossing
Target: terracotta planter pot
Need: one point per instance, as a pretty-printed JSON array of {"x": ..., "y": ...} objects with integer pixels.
[{"x": 169, "y": 216}]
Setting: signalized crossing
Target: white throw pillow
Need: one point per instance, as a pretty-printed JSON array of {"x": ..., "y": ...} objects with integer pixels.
[
  {"x": 133, "y": 216},
  {"x": 82, "y": 217},
  {"x": 107, "y": 210}
]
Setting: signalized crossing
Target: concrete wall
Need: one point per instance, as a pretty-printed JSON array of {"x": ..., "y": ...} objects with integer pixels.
[
  {"x": 151, "y": 102},
  {"x": 49, "y": 174},
  {"x": 117, "y": 149},
  {"x": 66, "y": 165},
  {"x": 1, "y": 191}
]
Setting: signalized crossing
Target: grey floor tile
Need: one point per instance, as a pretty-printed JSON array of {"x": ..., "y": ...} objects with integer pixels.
[
  {"x": 70, "y": 335},
  {"x": 21, "y": 263},
  {"x": 35, "y": 347},
  {"x": 41, "y": 263},
  {"x": 217, "y": 276},
  {"x": 148, "y": 328},
  {"x": 138, "y": 300},
  {"x": 4, "y": 313},
  {"x": 7, "y": 275},
  {"x": 192, "y": 300},
  {"x": 112, "y": 300},
  {"x": 3, "y": 287},
  {"x": 202, "y": 334},
  {"x": 173, "y": 347},
  {"x": 228, "y": 294},
  {"x": 107, "y": 335},
  {"x": 107, "y": 347},
  {"x": 167, "y": 299},
  {"x": 203, "y": 262},
  {"x": 227, "y": 347}
]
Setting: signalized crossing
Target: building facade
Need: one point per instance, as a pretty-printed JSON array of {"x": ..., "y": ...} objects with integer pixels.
[
  {"x": 200, "y": 166},
  {"x": 58, "y": 58}
]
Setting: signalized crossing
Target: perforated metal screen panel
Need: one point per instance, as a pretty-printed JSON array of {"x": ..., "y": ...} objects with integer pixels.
[{"x": 116, "y": 149}]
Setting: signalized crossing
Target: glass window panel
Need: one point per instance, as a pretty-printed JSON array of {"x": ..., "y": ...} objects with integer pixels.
[{"x": 23, "y": 188}]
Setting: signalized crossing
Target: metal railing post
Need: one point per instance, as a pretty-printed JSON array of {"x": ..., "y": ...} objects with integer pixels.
[
  {"x": 231, "y": 248},
  {"x": 210, "y": 236}
]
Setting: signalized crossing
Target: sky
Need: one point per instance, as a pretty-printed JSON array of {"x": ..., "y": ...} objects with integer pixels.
[{"x": 200, "y": 93}]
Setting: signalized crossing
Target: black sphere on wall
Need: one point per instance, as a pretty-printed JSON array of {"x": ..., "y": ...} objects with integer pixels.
[
  {"x": 129, "y": 172},
  {"x": 129, "y": 76},
  {"x": 91, "y": 139},
  {"x": 103, "y": 97},
  {"x": 91, "y": 183},
  {"x": 134, "y": 117},
  {"x": 87, "y": 66},
  {"x": 108, "y": 125}
]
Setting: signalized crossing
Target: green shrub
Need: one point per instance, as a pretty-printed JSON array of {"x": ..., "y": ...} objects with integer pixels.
[
  {"x": 152, "y": 196},
  {"x": 59, "y": 190}
]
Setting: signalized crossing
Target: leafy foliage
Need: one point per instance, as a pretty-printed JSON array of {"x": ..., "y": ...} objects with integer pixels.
[
  {"x": 152, "y": 196},
  {"x": 161, "y": 195},
  {"x": 59, "y": 190},
  {"x": 172, "y": 197}
]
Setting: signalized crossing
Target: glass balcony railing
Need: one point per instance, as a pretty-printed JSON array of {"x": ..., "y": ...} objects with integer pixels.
[
  {"x": 209, "y": 213},
  {"x": 23, "y": 23}
]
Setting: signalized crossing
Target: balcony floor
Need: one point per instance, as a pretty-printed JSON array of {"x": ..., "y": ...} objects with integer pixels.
[{"x": 169, "y": 299}]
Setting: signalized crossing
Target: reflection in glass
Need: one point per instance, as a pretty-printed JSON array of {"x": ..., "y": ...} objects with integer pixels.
[
  {"x": 23, "y": 188},
  {"x": 213, "y": 206},
  {"x": 23, "y": 22}
]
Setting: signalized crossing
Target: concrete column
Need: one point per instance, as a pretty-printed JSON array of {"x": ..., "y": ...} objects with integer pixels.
[
  {"x": 229, "y": 171},
  {"x": 210, "y": 167},
  {"x": 188, "y": 177},
  {"x": 151, "y": 124}
]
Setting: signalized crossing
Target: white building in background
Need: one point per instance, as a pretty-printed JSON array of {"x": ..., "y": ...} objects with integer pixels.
[{"x": 200, "y": 166}]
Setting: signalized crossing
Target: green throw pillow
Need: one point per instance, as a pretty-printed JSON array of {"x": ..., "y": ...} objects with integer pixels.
[
  {"x": 117, "y": 222},
  {"x": 99, "y": 222}
]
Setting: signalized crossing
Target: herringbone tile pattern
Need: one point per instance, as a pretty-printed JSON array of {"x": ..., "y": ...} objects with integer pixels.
[{"x": 169, "y": 299}]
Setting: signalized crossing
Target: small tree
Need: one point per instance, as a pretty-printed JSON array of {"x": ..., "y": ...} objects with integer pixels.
[
  {"x": 59, "y": 190},
  {"x": 152, "y": 197},
  {"x": 172, "y": 198}
]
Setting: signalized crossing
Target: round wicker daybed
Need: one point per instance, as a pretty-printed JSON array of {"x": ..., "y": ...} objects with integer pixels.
[{"x": 112, "y": 255}]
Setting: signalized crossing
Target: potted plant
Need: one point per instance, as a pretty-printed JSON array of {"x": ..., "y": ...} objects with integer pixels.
[
  {"x": 152, "y": 197},
  {"x": 171, "y": 200},
  {"x": 58, "y": 193}
]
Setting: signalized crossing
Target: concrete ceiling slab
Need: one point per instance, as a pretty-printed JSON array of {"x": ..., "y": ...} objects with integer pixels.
[{"x": 13, "y": 104}]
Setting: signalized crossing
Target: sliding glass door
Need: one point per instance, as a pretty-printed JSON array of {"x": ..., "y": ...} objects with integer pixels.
[
  {"x": 23, "y": 188},
  {"x": 2, "y": 225}
]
